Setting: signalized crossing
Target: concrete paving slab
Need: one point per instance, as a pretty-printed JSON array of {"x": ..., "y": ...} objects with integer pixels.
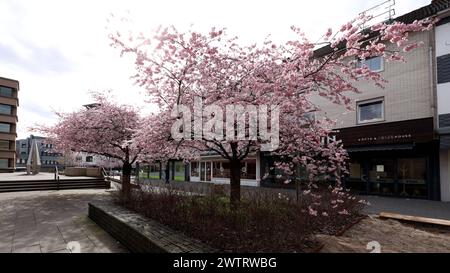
[
  {"x": 412, "y": 207},
  {"x": 30, "y": 249},
  {"x": 45, "y": 221}
]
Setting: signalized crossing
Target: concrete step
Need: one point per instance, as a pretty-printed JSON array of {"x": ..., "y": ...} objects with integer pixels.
[
  {"x": 14, "y": 186},
  {"x": 46, "y": 182}
]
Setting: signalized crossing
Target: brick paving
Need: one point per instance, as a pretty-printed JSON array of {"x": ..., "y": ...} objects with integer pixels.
[{"x": 46, "y": 221}]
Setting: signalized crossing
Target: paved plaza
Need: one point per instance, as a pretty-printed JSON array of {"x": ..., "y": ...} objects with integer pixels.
[
  {"x": 414, "y": 207},
  {"x": 46, "y": 221}
]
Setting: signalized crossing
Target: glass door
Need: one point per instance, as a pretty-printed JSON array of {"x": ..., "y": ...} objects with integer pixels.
[
  {"x": 208, "y": 171},
  {"x": 202, "y": 171},
  {"x": 205, "y": 171},
  {"x": 412, "y": 177},
  {"x": 382, "y": 176}
]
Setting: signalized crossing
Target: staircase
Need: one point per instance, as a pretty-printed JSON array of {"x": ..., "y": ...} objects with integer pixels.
[{"x": 45, "y": 185}]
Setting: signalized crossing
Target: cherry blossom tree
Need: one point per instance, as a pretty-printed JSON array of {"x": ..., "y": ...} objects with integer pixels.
[
  {"x": 178, "y": 68},
  {"x": 106, "y": 129}
]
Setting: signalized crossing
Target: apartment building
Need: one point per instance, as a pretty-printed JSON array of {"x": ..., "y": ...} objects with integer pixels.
[
  {"x": 391, "y": 135},
  {"x": 49, "y": 158},
  {"x": 8, "y": 119}
]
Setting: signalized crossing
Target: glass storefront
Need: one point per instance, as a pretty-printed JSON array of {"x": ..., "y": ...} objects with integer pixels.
[
  {"x": 179, "y": 172},
  {"x": 356, "y": 180},
  {"x": 221, "y": 169},
  {"x": 382, "y": 176},
  {"x": 412, "y": 177},
  {"x": 398, "y": 176}
]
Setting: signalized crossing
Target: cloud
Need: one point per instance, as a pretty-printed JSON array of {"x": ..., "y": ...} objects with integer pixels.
[{"x": 38, "y": 61}]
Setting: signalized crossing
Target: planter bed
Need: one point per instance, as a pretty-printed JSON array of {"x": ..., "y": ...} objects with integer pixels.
[{"x": 140, "y": 234}]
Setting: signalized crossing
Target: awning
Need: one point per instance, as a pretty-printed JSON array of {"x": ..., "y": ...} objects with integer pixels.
[{"x": 373, "y": 148}]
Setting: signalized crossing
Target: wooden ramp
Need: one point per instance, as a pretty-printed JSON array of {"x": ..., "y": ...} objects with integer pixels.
[{"x": 416, "y": 219}]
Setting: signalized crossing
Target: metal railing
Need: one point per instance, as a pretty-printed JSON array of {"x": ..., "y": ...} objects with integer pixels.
[{"x": 57, "y": 176}]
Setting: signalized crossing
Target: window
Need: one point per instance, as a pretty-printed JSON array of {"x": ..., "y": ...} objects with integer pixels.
[
  {"x": 221, "y": 169},
  {"x": 443, "y": 67},
  {"x": 375, "y": 64},
  {"x": 370, "y": 111},
  {"x": 412, "y": 175},
  {"x": 382, "y": 176},
  {"x": 194, "y": 169},
  {"x": 6, "y": 91},
  {"x": 5, "y": 127},
  {"x": 154, "y": 171},
  {"x": 248, "y": 171},
  {"x": 179, "y": 171},
  {"x": 4, "y": 145},
  {"x": 310, "y": 116},
  {"x": 24, "y": 145},
  {"x": 5, "y": 109},
  {"x": 89, "y": 159},
  {"x": 4, "y": 163}
]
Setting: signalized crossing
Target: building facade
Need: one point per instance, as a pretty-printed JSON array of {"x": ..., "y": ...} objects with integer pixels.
[
  {"x": 8, "y": 119},
  {"x": 442, "y": 34},
  {"x": 398, "y": 138},
  {"x": 391, "y": 135},
  {"x": 49, "y": 158},
  {"x": 209, "y": 168}
]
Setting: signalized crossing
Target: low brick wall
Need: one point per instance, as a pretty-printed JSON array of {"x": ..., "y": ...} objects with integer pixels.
[
  {"x": 93, "y": 172},
  {"x": 75, "y": 171},
  {"x": 140, "y": 234}
]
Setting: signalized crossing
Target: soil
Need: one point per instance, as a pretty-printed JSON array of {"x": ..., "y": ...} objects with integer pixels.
[{"x": 393, "y": 237}]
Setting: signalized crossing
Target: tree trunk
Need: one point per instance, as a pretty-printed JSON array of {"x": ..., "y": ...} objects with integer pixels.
[
  {"x": 126, "y": 180},
  {"x": 167, "y": 172},
  {"x": 235, "y": 183}
]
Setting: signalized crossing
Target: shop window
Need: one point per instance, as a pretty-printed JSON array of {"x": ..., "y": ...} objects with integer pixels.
[
  {"x": 248, "y": 170},
  {"x": 221, "y": 170},
  {"x": 195, "y": 172},
  {"x": 412, "y": 175},
  {"x": 370, "y": 111},
  {"x": 154, "y": 171},
  {"x": 381, "y": 176},
  {"x": 356, "y": 180},
  {"x": 179, "y": 171}
]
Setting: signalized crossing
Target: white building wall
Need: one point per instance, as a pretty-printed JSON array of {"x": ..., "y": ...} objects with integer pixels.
[
  {"x": 443, "y": 98},
  {"x": 407, "y": 95},
  {"x": 443, "y": 39},
  {"x": 443, "y": 48}
]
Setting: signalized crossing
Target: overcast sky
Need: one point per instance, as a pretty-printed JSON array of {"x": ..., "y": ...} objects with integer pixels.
[{"x": 59, "y": 49}]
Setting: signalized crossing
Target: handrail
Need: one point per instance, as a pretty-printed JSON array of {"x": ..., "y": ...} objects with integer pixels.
[
  {"x": 104, "y": 173},
  {"x": 57, "y": 176}
]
